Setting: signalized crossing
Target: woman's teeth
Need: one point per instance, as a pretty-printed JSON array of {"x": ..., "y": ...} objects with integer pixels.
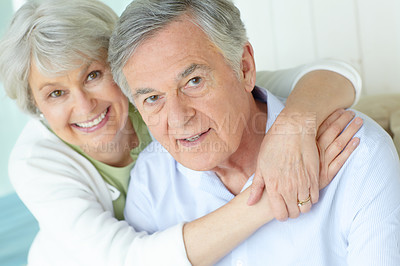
[{"x": 94, "y": 122}]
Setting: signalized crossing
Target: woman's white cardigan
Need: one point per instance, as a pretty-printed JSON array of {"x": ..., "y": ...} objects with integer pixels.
[{"x": 73, "y": 206}]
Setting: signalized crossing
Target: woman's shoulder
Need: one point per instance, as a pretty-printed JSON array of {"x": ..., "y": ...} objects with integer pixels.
[
  {"x": 35, "y": 137},
  {"x": 35, "y": 130},
  {"x": 38, "y": 151}
]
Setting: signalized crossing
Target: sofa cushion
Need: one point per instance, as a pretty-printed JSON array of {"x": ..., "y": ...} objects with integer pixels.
[
  {"x": 385, "y": 110},
  {"x": 380, "y": 108},
  {"x": 395, "y": 128}
]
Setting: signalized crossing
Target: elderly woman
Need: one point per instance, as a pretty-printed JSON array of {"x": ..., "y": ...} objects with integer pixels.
[{"x": 71, "y": 164}]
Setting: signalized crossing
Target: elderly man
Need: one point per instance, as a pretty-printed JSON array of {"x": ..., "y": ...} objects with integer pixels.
[{"x": 209, "y": 120}]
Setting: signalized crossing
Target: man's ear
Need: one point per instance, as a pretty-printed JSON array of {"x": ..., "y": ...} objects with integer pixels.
[{"x": 248, "y": 67}]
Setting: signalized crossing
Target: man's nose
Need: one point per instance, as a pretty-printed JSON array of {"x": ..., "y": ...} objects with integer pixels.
[{"x": 179, "y": 112}]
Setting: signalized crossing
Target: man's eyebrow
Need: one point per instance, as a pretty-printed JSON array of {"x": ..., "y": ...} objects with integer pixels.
[
  {"x": 189, "y": 70},
  {"x": 142, "y": 91},
  {"x": 193, "y": 67}
]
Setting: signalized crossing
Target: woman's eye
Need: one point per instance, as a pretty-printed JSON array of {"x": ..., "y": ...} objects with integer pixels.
[
  {"x": 93, "y": 75},
  {"x": 57, "y": 93},
  {"x": 152, "y": 99}
]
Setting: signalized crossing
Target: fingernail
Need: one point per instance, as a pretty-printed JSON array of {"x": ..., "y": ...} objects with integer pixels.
[
  {"x": 358, "y": 121},
  {"x": 356, "y": 142}
]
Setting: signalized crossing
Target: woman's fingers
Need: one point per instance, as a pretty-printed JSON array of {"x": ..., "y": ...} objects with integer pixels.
[
  {"x": 331, "y": 118},
  {"x": 304, "y": 201},
  {"x": 278, "y": 206},
  {"x": 340, "y": 143},
  {"x": 330, "y": 129},
  {"x": 335, "y": 148}
]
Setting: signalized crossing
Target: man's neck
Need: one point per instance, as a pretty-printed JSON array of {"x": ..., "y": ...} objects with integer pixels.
[{"x": 237, "y": 169}]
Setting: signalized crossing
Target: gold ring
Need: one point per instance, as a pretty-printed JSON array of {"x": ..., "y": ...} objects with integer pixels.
[{"x": 302, "y": 202}]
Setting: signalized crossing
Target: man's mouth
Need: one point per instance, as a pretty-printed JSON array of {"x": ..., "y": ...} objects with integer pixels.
[
  {"x": 193, "y": 139},
  {"x": 94, "y": 122}
]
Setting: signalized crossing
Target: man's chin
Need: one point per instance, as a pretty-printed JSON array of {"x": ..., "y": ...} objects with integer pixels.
[{"x": 196, "y": 163}]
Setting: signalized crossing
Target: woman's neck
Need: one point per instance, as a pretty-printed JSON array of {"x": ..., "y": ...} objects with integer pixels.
[{"x": 117, "y": 152}]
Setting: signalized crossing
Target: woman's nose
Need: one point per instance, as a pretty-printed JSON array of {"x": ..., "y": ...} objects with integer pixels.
[{"x": 84, "y": 102}]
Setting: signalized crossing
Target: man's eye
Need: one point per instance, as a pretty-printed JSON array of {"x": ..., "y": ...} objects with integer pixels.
[
  {"x": 93, "y": 75},
  {"x": 194, "y": 81},
  {"x": 57, "y": 93},
  {"x": 195, "y": 87},
  {"x": 152, "y": 99}
]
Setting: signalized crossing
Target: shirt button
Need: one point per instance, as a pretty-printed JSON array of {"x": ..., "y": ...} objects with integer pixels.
[{"x": 239, "y": 263}]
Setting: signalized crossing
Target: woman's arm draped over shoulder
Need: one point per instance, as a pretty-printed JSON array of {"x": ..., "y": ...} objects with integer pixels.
[
  {"x": 282, "y": 82},
  {"x": 288, "y": 162}
]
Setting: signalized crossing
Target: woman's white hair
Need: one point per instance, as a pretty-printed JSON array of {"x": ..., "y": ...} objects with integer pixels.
[
  {"x": 142, "y": 19},
  {"x": 55, "y": 35}
]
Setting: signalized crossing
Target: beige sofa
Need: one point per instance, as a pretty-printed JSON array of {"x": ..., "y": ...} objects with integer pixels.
[{"x": 384, "y": 109}]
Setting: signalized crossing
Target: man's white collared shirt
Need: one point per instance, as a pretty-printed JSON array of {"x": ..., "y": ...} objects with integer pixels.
[{"x": 355, "y": 222}]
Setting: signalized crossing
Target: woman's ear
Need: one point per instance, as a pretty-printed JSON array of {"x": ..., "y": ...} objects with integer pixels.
[{"x": 248, "y": 67}]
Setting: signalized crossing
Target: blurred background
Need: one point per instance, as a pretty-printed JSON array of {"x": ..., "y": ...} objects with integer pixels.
[{"x": 284, "y": 34}]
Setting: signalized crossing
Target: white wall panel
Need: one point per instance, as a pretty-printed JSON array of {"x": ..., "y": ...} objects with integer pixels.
[
  {"x": 336, "y": 31},
  {"x": 259, "y": 24},
  {"x": 293, "y": 30},
  {"x": 365, "y": 33},
  {"x": 281, "y": 31},
  {"x": 380, "y": 39}
]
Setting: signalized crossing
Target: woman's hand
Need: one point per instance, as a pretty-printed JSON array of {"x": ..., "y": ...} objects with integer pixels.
[
  {"x": 335, "y": 143},
  {"x": 288, "y": 165},
  {"x": 290, "y": 162}
]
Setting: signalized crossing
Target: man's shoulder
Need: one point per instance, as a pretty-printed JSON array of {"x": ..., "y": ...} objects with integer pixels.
[
  {"x": 367, "y": 188},
  {"x": 374, "y": 166},
  {"x": 375, "y": 151}
]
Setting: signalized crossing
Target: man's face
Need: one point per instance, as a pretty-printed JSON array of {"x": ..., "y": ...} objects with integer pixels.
[{"x": 190, "y": 98}]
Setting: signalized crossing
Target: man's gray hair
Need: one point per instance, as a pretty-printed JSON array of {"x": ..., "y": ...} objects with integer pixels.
[
  {"x": 57, "y": 36},
  {"x": 142, "y": 19}
]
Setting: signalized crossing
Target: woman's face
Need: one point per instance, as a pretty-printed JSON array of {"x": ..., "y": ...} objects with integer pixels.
[{"x": 84, "y": 107}]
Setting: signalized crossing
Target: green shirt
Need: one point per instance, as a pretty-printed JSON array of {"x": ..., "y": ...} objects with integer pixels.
[{"x": 118, "y": 177}]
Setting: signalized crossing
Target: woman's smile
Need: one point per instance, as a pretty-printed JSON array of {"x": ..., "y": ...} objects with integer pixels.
[{"x": 94, "y": 124}]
